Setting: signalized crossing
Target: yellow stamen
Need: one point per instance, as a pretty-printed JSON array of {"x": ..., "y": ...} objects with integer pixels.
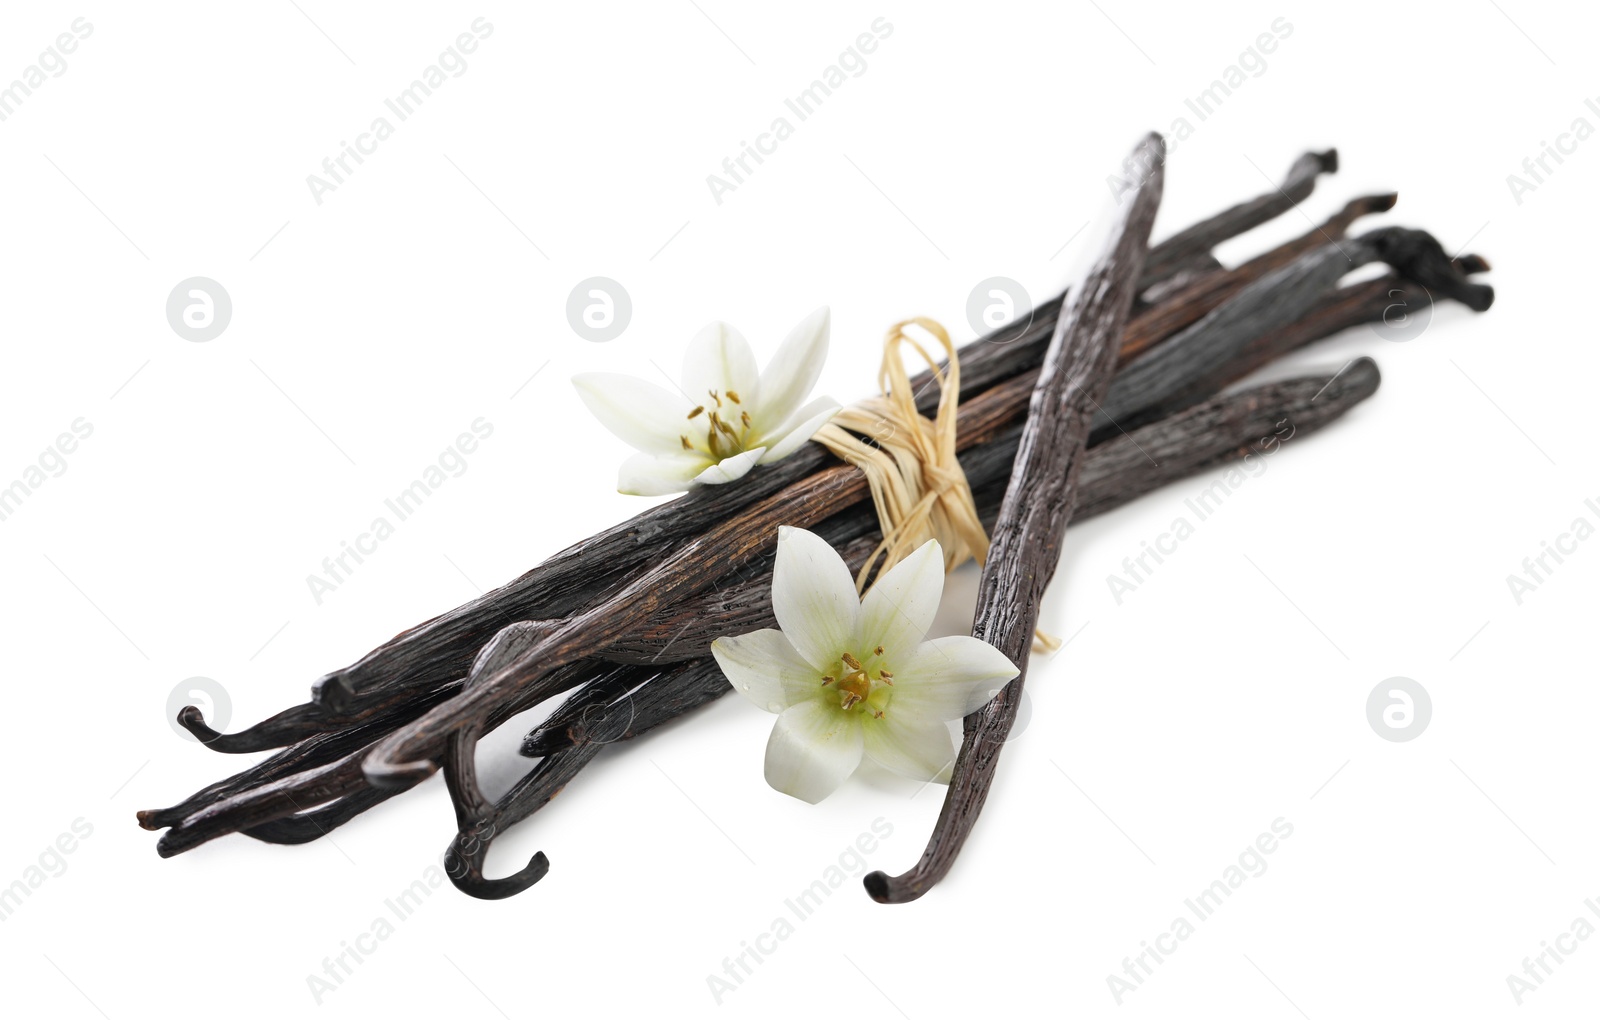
[
  {"x": 685, "y": 441},
  {"x": 734, "y": 397},
  {"x": 850, "y": 660},
  {"x": 744, "y": 417},
  {"x": 878, "y": 650},
  {"x": 827, "y": 680},
  {"x": 695, "y": 412}
]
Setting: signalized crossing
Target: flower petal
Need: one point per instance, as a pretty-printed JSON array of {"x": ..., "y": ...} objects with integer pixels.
[
  {"x": 764, "y": 667},
  {"x": 813, "y": 597},
  {"x": 657, "y": 474},
  {"x": 793, "y": 370},
  {"x": 913, "y": 748},
  {"x": 641, "y": 414},
  {"x": 949, "y": 678},
  {"x": 730, "y": 469},
  {"x": 899, "y": 608},
  {"x": 720, "y": 359},
  {"x": 802, "y": 425},
  {"x": 813, "y": 748}
]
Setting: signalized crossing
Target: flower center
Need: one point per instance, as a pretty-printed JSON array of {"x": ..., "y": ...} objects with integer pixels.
[
  {"x": 858, "y": 689},
  {"x": 722, "y": 439}
]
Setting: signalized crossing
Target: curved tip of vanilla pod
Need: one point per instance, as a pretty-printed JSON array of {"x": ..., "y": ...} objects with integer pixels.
[
  {"x": 260, "y": 737},
  {"x": 192, "y": 719},
  {"x": 1418, "y": 256},
  {"x": 1329, "y": 160},
  {"x": 1360, "y": 380},
  {"x": 886, "y": 888},
  {"x": 477, "y": 886}
]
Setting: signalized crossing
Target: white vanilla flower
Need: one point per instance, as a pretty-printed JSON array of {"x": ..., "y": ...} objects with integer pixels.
[
  {"x": 849, "y": 675},
  {"x": 727, "y": 418}
]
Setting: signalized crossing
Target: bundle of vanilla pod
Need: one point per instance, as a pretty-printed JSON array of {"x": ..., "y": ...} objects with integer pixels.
[{"x": 616, "y": 630}]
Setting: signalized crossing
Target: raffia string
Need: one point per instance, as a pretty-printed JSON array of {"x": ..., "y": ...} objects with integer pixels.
[{"x": 917, "y": 485}]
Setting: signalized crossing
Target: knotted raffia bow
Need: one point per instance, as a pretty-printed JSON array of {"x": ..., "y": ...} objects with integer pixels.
[{"x": 917, "y": 485}]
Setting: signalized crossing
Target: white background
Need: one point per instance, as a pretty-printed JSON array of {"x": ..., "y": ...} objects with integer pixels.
[{"x": 423, "y": 293}]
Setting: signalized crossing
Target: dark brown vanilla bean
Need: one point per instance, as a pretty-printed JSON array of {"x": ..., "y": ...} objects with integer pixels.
[
  {"x": 1218, "y": 432},
  {"x": 404, "y": 755},
  {"x": 1182, "y": 247},
  {"x": 440, "y": 650},
  {"x": 294, "y": 786},
  {"x": 740, "y": 604},
  {"x": 307, "y": 826},
  {"x": 1187, "y": 303},
  {"x": 1007, "y": 352},
  {"x": 310, "y": 752},
  {"x": 981, "y": 418},
  {"x": 1223, "y": 349},
  {"x": 1423, "y": 259},
  {"x": 1222, "y": 430},
  {"x": 1194, "y": 363},
  {"x": 1205, "y": 436},
  {"x": 1245, "y": 332},
  {"x": 479, "y": 821},
  {"x": 605, "y": 713},
  {"x": 1352, "y": 306},
  {"x": 663, "y": 693},
  {"x": 1348, "y": 307},
  {"x": 990, "y": 362},
  {"x": 268, "y": 801},
  {"x": 1026, "y": 543},
  {"x": 427, "y": 695}
]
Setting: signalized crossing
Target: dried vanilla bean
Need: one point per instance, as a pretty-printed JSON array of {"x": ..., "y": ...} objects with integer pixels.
[
  {"x": 981, "y": 418},
  {"x": 440, "y": 650},
  {"x": 1195, "y": 362},
  {"x": 1186, "y": 302},
  {"x": 1203, "y": 437},
  {"x": 1236, "y": 322},
  {"x": 1365, "y": 302},
  {"x": 408, "y": 695},
  {"x": 742, "y": 604},
  {"x": 1006, "y": 353},
  {"x": 606, "y": 713},
  {"x": 404, "y": 755},
  {"x": 478, "y": 821},
  {"x": 1026, "y": 543},
  {"x": 1184, "y": 246},
  {"x": 1115, "y": 472},
  {"x": 295, "y": 782}
]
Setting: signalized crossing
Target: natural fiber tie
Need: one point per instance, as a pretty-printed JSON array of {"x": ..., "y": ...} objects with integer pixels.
[{"x": 918, "y": 487}]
